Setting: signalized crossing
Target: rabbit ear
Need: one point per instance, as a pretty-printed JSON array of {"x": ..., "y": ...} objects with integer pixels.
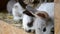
[
  {"x": 30, "y": 9},
  {"x": 42, "y": 14},
  {"x": 37, "y": 13}
]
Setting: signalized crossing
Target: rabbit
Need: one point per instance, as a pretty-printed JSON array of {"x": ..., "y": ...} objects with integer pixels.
[
  {"x": 10, "y": 5},
  {"x": 43, "y": 20},
  {"x": 17, "y": 12}
]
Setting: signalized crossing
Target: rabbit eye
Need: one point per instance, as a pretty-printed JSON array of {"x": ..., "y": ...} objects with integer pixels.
[{"x": 16, "y": 6}]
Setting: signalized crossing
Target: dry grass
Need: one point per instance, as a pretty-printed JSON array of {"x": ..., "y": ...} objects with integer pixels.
[{"x": 9, "y": 19}]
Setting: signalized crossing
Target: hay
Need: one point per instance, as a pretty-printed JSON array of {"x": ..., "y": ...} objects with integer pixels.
[{"x": 9, "y": 19}]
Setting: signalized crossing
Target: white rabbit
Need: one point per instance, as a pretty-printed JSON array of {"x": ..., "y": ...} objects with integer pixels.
[
  {"x": 43, "y": 20},
  {"x": 17, "y": 11},
  {"x": 10, "y": 5}
]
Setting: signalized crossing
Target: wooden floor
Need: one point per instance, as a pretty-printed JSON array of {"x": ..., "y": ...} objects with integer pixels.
[{"x": 6, "y": 28}]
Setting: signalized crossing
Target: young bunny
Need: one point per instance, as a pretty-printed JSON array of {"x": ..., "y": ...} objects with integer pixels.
[
  {"x": 10, "y": 5},
  {"x": 43, "y": 20},
  {"x": 17, "y": 11}
]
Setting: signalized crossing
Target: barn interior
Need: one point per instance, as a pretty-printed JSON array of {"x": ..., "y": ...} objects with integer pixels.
[{"x": 7, "y": 19}]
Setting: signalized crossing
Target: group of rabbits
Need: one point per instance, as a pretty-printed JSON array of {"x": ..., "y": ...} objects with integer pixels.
[{"x": 39, "y": 19}]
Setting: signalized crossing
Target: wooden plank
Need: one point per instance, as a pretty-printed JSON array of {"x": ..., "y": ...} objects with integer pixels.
[
  {"x": 3, "y": 4},
  {"x": 57, "y": 16},
  {"x": 57, "y": 1},
  {"x": 6, "y": 28}
]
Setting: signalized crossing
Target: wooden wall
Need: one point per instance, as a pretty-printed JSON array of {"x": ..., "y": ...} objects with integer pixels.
[
  {"x": 57, "y": 16},
  {"x": 3, "y": 4}
]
